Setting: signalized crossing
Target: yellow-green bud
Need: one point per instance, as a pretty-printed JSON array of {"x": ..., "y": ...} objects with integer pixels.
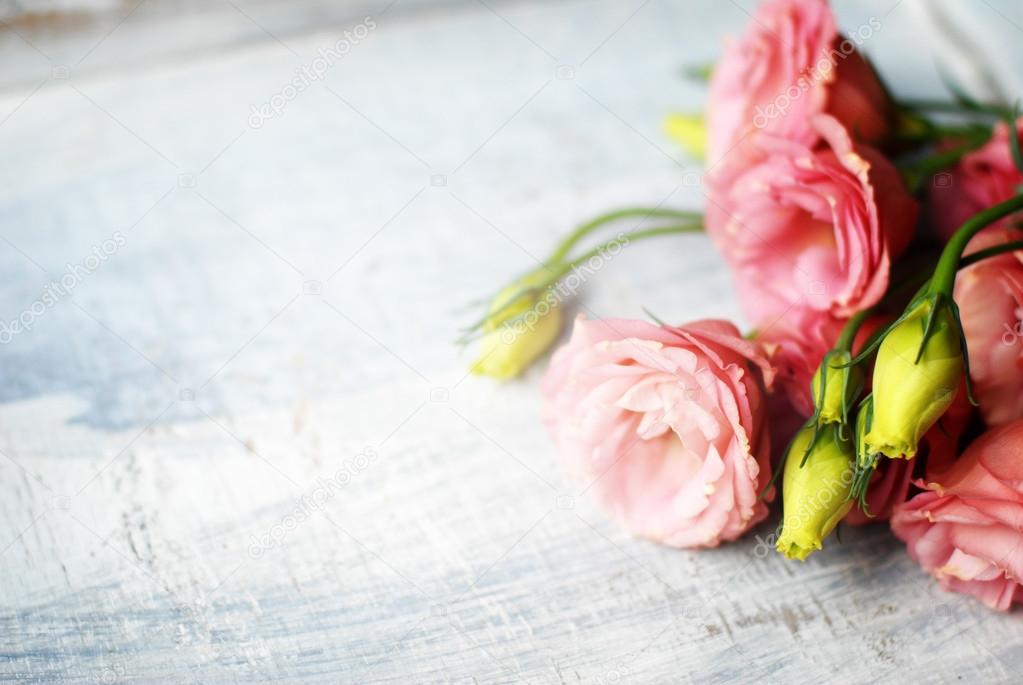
[
  {"x": 841, "y": 387},
  {"x": 519, "y": 331},
  {"x": 690, "y": 131},
  {"x": 815, "y": 495},
  {"x": 910, "y": 395}
]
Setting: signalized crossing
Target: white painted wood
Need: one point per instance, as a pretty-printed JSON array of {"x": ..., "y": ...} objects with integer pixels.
[{"x": 284, "y": 301}]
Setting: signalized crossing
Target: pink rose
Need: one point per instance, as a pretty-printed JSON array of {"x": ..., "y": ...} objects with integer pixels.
[
  {"x": 665, "y": 425},
  {"x": 980, "y": 180},
  {"x": 990, "y": 299},
  {"x": 967, "y": 529},
  {"x": 804, "y": 227},
  {"x": 790, "y": 65}
]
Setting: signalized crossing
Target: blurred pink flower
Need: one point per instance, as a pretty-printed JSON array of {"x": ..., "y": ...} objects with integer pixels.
[
  {"x": 967, "y": 529},
  {"x": 665, "y": 425},
  {"x": 980, "y": 180},
  {"x": 814, "y": 228},
  {"x": 789, "y": 65}
]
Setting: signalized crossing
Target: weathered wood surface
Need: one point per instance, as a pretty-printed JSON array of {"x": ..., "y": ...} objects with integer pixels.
[{"x": 267, "y": 353}]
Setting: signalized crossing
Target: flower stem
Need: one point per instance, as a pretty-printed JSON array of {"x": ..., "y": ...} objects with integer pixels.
[
  {"x": 994, "y": 251},
  {"x": 946, "y": 107},
  {"x": 923, "y": 282},
  {"x": 851, "y": 328},
  {"x": 620, "y": 240},
  {"x": 556, "y": 271},
  {"x": 933, "y": 133},
  {"x": 945, "y": 272},
  {"x": 578, "y": 234}
]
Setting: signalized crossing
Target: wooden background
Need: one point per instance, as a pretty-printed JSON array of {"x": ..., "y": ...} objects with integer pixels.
[{"x": 244, "y": 447}]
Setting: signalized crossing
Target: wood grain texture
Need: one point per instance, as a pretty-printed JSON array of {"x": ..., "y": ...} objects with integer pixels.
[{"x": 245, "y": 450}]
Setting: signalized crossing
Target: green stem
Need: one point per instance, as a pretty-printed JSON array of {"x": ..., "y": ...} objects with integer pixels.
[
  {"x": 623, "y": 239},
  {"x": 578, "y": 234},
  {"x": 934, "y": 132},
  {"x": 925, "y": 279},
  {"x": 946, "y": 107},
  {"x": 915, "y": 127},
  {"x": 945, "y": 272},
  {"x": 556, "y": 271},
  {"x": 851, "y": 328},
  {"x": 990, "y": 252},
  {"x": 920, "y": 281}
]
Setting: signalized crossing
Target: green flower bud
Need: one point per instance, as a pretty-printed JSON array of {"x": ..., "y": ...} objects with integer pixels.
[
  {"x": 840, "y": 389},
  {"x": 815, "y": 496},
  {"x": 520, "y": 330},
  {"x": 916, "y": 376}
]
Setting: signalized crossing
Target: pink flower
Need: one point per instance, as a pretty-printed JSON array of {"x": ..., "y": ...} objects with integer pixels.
[
  {"x": 790, "y": 65},
  {"x": 990, "y": 299},
  {"x": 814, "y": 228},
  {"x": 665, "y": 425},
  {"x": 967, "y": 529},
  {"x": 798, "y": 341},
  {"x": 982, "y": 179}
]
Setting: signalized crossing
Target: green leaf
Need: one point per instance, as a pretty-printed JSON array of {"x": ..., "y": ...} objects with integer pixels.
[
  {"x": 928, "y": 326},
  {"x": 781, "y": 467},
  {"x": 966, "y": 354},
  {"x": 1017, "y": 154},
  {"x": 653, "y": 317},
  {"x": 960, "y": 95}
]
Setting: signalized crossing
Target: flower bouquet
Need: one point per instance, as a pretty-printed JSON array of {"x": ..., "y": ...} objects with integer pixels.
[{"x": 876, "y": 246}]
